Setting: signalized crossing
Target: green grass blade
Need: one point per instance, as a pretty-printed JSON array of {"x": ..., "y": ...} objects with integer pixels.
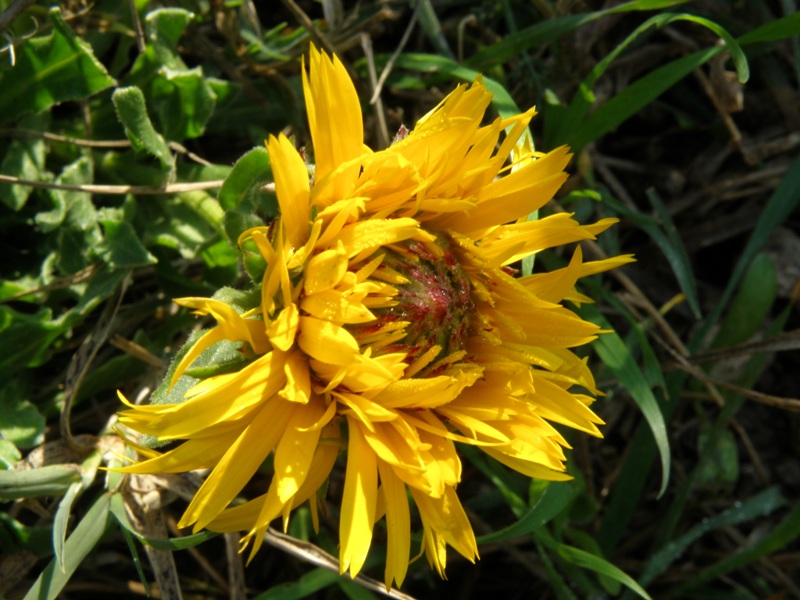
[
  {"x": 760, "y": 505},
  {"x": 555, "y": 498},
  {"x": 518, "y": 42},
  {"x": 587, "y": 560},
  {"x": 429, "y": 63},
  {"x": 675, "y": 252},
  {"x": 583, "y": 100},
  {"x": 433, "y": 28},
  {"x": 61, "y": 521},
  {"x": 638, "y": 95},
  {"x": 137, "y": 562},
  {"x": 308, "y": 584},
  {"x": 781, "y": 204},
  {"x": 50, "y": 480},
  {"x": 783, "y": 534},
  {"x": 616, "y": 356},
  {"x": 87, "y": 534},
  {"x": 774, "y": 31},
  {"x": 170, "y": 544}
]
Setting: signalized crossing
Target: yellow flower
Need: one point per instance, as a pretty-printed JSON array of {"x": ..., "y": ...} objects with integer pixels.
[{"x": 389, "y": 325}]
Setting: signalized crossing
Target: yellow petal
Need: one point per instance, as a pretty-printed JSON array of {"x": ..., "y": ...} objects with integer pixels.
[
  {"x": 447, "y": 518},
  {"x": 332, "y": 305},
  {"x": 512, "y": 197},
  {"x": 398, "y": 526},
  {"x": 358, "y": 501},
  {"x": 298, "y": 379},
  {"x": 239, "y": 464},
  {"x": 241, "y": 393},
  {"x": 367, "y": 236},
  {"x": 283, "y": 328},
  {"x": 190, "y": 455},
  {"x": 325, "y": 270},
  {"x": 291, "y": 187},
  {"x": 296, "y": 449},
  {"x": 260, "y": 511},
  {"x": 530, "y": 469},
  {"x": 510, "y": 243},
  {"x": 326, "y": 341},
  {"x": 334, "y": 118}
]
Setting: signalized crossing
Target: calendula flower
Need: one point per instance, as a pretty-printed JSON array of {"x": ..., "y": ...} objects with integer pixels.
[{"x": 388, "y": 327}]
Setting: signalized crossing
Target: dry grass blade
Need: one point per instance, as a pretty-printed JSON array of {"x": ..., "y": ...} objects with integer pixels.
[
  {"x": 85, "y": 355},
  {"x": 789, "y": 340},
  {"x": 236, "y": 580},
  {"x": 60, "y": 283},
  {"x": 143, "y": 506},
  {"x": 317, "y": 556},
  {"x": 788, "y": 404},
  {"x": 138, "y": 352}
]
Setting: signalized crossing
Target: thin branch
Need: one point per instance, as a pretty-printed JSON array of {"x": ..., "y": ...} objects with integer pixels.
[
  {"x": 141, "y": 43},
  {"x": 366, "y": 44},
  {"x": 390, "y": 64},
  {"x": 10, "y": 14},
  {"x": 317, "y": 556},
  {"x": 54, "y": 137},
  {"x": 306, "y": 22},
  {"x": 139, "y": 190}
]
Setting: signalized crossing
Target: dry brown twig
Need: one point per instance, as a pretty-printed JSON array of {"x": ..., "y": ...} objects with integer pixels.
[{"x": 137, "y": 190}]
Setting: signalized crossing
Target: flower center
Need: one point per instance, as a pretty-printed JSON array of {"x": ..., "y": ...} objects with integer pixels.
[{"x": 436, "y": 302}]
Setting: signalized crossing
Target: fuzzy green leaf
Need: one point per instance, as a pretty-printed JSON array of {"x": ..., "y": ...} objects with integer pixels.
[
  {"x": 50, "y": 70},
  {"x": 132, "y": 113}
]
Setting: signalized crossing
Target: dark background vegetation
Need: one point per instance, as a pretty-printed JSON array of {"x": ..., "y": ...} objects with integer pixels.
[{"x": 700, "y": 168}]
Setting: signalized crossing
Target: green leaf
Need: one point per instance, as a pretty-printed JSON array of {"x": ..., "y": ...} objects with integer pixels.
[
  {"x": 555, "y": 499},
  {"x": 50, "y": 70},
  {"x": 598, "y": 564},
  {"x": 9, "y": 453},
  {"x": 78, "y": 232},
  {"x": 86, "y": 536},
  {"x": 184, "y": 102},
  {"x": 50, "y": 480},
  {"x": 25, "y": 159},
  {"x": 20, "y": 421},
  {"x": 132, "y": 113},
  {"x": 247, "y": 179},
  {"x": 164, "y": 27},
  {"x": 616, "y": 356},
  {"x": 751, "y": 305},
  {"x": 66, "y": 202},
  {"x": 243, "y": 194},
  {"x": 237, "y": 113},
  {"x": 720, "y": 464},
  {"x": 122, "y": 248},
  {"x": 15, "y": 536},
  {"x": 29, "y": 335},
  {"x": 205, "y": 206},
  {"x": 354, "y": 591}
]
